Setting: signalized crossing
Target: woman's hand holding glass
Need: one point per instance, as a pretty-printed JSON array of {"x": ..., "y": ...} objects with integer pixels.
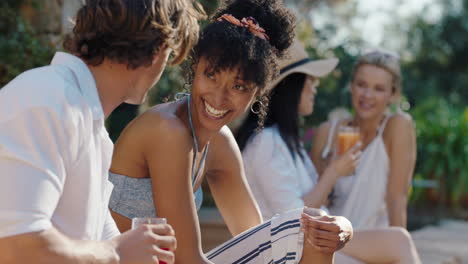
[
  {"x": 345, "y": 164},
  {"x": 327, "y": 234}
]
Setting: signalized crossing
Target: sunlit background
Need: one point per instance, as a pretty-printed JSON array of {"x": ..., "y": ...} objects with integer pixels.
[{"x": 429, "y": 36}]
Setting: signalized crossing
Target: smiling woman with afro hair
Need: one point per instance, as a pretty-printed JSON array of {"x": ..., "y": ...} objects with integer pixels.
[{"x": 162, "y": 157}]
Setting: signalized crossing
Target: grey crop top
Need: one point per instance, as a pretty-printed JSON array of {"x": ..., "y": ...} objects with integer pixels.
[{"x": 133, "y": 197}]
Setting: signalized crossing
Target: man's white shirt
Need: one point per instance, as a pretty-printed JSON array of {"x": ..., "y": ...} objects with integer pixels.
[{"x": 55, "y": 153}]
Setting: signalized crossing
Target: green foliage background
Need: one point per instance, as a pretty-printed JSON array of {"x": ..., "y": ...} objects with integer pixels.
[
  {"x": 20, "y": 47},
  {"x": 435, "y": 78}
]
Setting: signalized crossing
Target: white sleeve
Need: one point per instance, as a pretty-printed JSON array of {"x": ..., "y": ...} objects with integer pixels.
[
  {"x": 110, "y": 228},
  {"x": 270, "y": 167},
  {"x": 33, "y": 154}
]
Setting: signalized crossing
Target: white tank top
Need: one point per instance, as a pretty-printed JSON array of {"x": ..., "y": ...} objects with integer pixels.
[{"x": 361, "y": 197}]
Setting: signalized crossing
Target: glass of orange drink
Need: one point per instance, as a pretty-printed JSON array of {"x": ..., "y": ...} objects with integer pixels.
[{"x": 348, "y": 136}]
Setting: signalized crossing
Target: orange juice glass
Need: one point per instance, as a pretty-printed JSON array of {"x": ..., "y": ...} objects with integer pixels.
[{"x": 348, "y": 136}]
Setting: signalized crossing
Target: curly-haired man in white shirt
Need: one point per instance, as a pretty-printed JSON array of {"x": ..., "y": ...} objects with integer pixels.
[{"x": 54, "y": 150}]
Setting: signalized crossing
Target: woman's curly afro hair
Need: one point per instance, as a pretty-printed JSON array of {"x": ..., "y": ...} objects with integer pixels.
[{"x": 227, "y": 46}]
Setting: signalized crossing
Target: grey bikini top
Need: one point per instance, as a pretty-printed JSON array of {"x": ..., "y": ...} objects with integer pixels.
[{"x": 133, "y": 197}]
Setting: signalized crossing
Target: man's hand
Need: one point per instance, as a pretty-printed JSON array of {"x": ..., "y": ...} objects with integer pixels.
[
  {"x": 146, "y": 244},
  {"x": 326, "y": 234}
]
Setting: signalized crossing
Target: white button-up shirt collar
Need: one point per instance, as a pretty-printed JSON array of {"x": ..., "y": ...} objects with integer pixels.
[
  {"x": 55, "y": 153},
  {"x": 86, "y": 82}
]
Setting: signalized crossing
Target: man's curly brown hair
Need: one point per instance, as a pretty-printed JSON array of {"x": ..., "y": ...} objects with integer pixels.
[
  {"x": 227, "y": 46},
  {"x": 132, "y": 31}
]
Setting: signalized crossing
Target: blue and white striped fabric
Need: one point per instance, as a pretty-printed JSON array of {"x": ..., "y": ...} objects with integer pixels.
[{"x": 277, "y": 241}]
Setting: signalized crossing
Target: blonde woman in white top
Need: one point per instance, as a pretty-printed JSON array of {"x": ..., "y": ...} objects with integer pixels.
[
  {"x": 376, "y": 194},
  {"x": 282, "y": 176}
]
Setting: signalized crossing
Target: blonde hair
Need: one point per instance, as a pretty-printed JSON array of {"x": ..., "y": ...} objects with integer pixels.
[
  {"x": 385, "y": 60},
  {"x": 185, "y": 31}
]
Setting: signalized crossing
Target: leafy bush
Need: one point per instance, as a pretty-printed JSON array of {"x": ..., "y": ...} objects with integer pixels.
[
  {"x": 442, "y": 131},
  {"x": 20, "y": 47}
]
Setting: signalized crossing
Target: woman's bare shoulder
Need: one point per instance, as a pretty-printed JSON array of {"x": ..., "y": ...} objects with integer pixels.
[
  {"x": 324, "y": 127},
  {"x": 224, "y": 151},
  {"x": 321, "y": 134},
  {"x": 399, "y": 123},
  {"x": 158, "y": 125},
  {"x": 153, "y": 132},
  {"x": 401, "y": 117},
  {"x": 224, "y": 136},
  {"x": 223, "y": 143},
  {"x": 319, "y": 139},
  {"x": 400, "y": 131}
]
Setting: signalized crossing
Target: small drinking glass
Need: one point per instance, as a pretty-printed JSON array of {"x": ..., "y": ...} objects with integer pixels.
[
  {"x": 138, "y": 221},
  {"x": 348, "y": 136}
]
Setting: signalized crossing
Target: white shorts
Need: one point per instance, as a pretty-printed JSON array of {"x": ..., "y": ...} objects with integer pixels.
[{"x": 277, "y": 241}]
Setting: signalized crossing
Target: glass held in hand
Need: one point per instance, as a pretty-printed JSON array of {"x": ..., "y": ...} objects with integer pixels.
[
  {"x": 348, "y": 136},
  {"x": 138, "y": 221}
]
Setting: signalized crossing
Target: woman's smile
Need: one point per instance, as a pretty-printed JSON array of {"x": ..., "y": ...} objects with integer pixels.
[
  {"x": 213, "y": 112},
  {"x": 365, "y": 106}
]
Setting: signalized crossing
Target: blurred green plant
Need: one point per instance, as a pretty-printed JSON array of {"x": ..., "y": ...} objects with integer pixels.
[
  {"x": 435, "y": 74},
  {"x": 442, "y": 131},
  {"x": 20, "y": 47},
  {"x": 437, "y": 65}
]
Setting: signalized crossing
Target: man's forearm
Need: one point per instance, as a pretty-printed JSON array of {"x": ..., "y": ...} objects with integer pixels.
[{"x": 50, "y": 247}]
